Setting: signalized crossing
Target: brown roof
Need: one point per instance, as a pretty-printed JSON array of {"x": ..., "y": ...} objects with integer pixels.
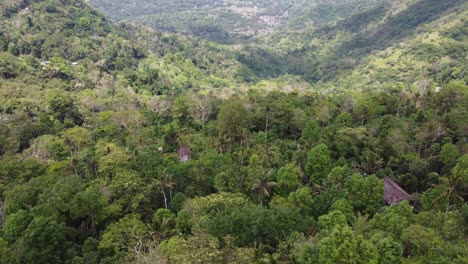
[
  {"x": 183, "y": 151},
  {"x": 393, "y": 193}
]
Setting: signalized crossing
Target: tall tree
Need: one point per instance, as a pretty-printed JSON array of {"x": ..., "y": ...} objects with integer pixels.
[
  {"x": 200, "y": 109},
  {"x": 264, "y": 186},
  {"x": 319, "y": 163},
  {"x": 163, "y": 182},
  {"x": 344, "y": 246},
  {"x": 232, "y": 119},
  {"x": 453, "y": 185}
]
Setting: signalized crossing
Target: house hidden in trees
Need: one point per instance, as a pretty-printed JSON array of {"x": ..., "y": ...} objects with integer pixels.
[
  {"x": 183, "y": 153},
  {"x": 393, "y": 193}
]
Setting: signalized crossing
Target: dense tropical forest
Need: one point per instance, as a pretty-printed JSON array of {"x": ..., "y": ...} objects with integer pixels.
[{"x": 124, "y": 144}]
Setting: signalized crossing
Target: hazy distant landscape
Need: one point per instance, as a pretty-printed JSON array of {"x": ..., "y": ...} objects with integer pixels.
[{"x": 319, "y": 40}]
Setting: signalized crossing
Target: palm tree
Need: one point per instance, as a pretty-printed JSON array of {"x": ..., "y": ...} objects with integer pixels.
[
  {"x": 163, "y": 182},
  {"x": 456, "y": 183},
  {"x": 264, "y": 187},
  {"x": 449, "y": 193}
]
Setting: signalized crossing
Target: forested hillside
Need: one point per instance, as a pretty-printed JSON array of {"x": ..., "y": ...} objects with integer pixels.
[
  {"x": 399, "y": 40},
  {"x": 376, "y": 42},
  {"x": 219, "y": 21},
  {"x": 233, "y": 21},
  {"x": 119, "y": 144}
]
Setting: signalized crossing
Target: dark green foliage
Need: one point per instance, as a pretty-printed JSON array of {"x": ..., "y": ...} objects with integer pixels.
[
  {"x": 4, "y": 252},
  {"x": 42, "y": 242},
  {"x": 422, "y": 241},
  {"x": 233, "y": 119},
  {"x": 257, "y": 225}
]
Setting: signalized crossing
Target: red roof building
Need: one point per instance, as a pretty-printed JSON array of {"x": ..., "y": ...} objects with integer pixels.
[
  {"x": 393, "y": 193},
  {"x": 183, "y": 153}
]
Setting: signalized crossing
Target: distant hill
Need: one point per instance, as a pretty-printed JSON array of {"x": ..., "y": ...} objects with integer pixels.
[
  {"x": 327, "y": 41},
  {"x": 426, "y": 39},
  {"x": 215, "y": 20},
  {"x": 76, "y": 32},
  {"x": 231, "y": 21}
]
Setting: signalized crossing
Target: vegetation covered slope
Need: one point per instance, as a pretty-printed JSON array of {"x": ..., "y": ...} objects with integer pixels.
[
  {"x": 92, "y": 115},
  {"x": 373, "y": 41},
  {"x": 79, "y": 34},
  {"x": 399, "y": 30},
  {"x": 219, "y": 21},
  {"x": 233, "y": 21}
]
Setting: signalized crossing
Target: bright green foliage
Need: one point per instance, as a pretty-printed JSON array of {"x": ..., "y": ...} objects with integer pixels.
[
  {"x": 422, "y": 241},
  {"x": 338, "y": 175},
  {"x": 129, "y": 190},
  {"x": 328, "y": 222},
  {"x": 448, "y": 192},
  {"x": 449, "y": 226},
  {"x": 76, "y": 138},
  {"x": 252, "y": 225},
  {"x": 433, "y": 199},
  {"x": 288, "y": 177},
  {"x": 123, "y": 236},
  {"x": 90, "y": 205},
  {"x": 200, "y": 210},
  {"x": 160, "y": 215},
  {"x": 448, "y": 153},
  {"x": 393, "y": 219},
  {"x": 202, "y": 248},
  {"x": 302, "y": 199},
  {"x": 343, "y": 246},
  {"x": 343, "y": 206},
  {"x": 310, "y": 135},
  {"x": 344, "y": 119},
  {"x": 389, "y": 250},
  {"x": 319, "y": 162},
  {"x": 9, "y": 66},
  {"x": 164, "y": 222},
  {"x": 59, "y": 67},
  {"x": 365, "y": 193},
  {"x": 112, "y": 158},
  {"x": 459, "y": 175}
]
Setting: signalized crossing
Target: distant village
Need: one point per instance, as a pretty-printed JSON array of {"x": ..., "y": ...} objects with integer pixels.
[{"x": 273, "y": 21}]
